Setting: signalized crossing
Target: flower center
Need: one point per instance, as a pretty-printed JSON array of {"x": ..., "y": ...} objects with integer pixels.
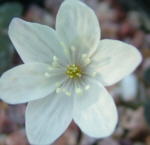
[{"x": 73, "y": 71}]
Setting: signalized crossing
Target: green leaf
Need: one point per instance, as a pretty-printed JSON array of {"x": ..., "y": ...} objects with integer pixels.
[
  {"x": 7, "y": 12},
  {"x": 147, "y": 76},
  {"x": 6, "y": 53},
  {"x": 147, "y": 111}
]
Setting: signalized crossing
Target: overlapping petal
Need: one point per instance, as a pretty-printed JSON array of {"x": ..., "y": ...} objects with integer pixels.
[
  {"x": 48, "y": 118},
  {"x": 77, "y": 25},
  {"x": 27, "y": 82},
  {"x": 34, "y": 42},
  {"x": 99, "y": 118},
  {"x": 114, "y": 60}
]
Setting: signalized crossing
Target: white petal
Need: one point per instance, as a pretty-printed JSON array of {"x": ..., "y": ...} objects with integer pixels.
[
  {"x": 115, "y": 60},
  {"x": 34, "y": 42},
  {"x": 48, "y": 118},
  {"x": 27, "y": 82},
  {"x": 77, "y": 25},
  {"x": 129, "y": 87},
  {"x": 99, "y": 118}
]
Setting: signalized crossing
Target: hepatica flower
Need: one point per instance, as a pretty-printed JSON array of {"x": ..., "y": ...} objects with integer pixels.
[{"x": 64, "y": 74}]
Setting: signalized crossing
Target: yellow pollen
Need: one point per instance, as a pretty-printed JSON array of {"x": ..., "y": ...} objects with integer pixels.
[{"x": 73, "y": 71}]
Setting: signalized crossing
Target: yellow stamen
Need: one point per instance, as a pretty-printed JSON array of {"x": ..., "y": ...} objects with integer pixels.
[{"x": 73, "y": 71}]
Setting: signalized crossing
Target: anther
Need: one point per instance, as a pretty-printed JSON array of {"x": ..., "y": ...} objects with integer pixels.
[
  {"x": 87, "y": 87},
  {"x": 78, "y": 90},
  {"x": 55, "y": 61},
  {"x": 57, "y": 84},
  {"x": 62, "y": 44},
  {"x": 72, "y": 48},
  {"x": 47, "y": 74},
  {"x": 66, "y": 51},
  {"x": 50, "y": 68},
  {"x": 58, "y": 90},
  {"x": 86, "y": 59},
  {"x": 94, "y": 74},
  {"x": 70, "y": 76},
  {"x": 78, "y": 74},
  {"x": 55, "y": 58},
  {"x": 68, "y": 93},
  {"x": 84, "y": 55}
]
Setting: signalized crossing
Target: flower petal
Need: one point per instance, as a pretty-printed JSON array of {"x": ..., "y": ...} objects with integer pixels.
[
  {"x": 34, "y": 42},
  {"x": 129, "y": 88},
  {"x": 27, "y": 82},
  {"x": 77, "y": 25},
  {"x": 115, "y": 60},
  {"x": 48, "y": 118},
  {"x": 99, "y": 118}
]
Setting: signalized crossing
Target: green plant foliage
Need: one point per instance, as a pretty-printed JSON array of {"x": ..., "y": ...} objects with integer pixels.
[
  {"x": 147, "y": 76},
  {"x": 7, "y": 12},
  {"x": 6, "y": 53},
  {"x": 147, "y": 111}
]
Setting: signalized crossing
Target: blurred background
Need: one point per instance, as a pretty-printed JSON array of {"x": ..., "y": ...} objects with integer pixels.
[{"x": 126, "y": 20}]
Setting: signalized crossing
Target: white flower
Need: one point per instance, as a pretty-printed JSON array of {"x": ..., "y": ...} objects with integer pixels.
[{"x": 64, "y": 74}]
